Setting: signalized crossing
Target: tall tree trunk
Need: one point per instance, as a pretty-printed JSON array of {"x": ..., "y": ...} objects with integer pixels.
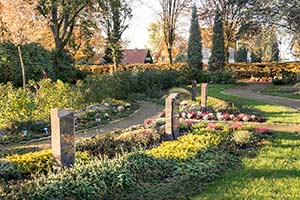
[
  {"x": 22, "y": 66},
  {"x": 170, "y": 55}
]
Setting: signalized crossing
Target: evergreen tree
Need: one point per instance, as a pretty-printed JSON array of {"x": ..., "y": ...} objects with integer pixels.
[
  {"x": 241, "y": 54},
  {"x": 107, "y": 58},
  {"x": 195, "y": 44},
  {"x": 256, "y": 57},
  {"x": 275, "y": 49},
  {"x": 217, "y": 58}
]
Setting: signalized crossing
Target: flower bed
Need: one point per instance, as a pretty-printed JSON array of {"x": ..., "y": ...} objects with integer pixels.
[
  {"x": 211, "y": 116},
  {"x": 90, "y": 117}
]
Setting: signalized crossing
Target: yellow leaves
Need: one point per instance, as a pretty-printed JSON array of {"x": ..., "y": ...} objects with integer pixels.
[{"x": 185, "y": 147}]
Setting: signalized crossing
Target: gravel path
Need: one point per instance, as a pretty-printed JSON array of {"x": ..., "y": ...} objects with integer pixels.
[
  {"x": 251, "y": 91},
  {"x": 146, "y": 110}
]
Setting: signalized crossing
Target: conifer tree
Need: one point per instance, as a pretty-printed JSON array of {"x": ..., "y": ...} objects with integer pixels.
[
  {"x": 195, "y": 43},
  {"x": 217, "y": 58},
  {"x": 241, "y": 54}
]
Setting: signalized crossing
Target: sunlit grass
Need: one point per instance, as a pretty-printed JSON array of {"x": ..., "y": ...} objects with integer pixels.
[
  {"x": 273, "y": 174},
  {"x": 274, "y": 91}
]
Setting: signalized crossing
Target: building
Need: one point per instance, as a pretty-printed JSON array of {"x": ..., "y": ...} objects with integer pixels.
[{"x": 136, "y": 56}]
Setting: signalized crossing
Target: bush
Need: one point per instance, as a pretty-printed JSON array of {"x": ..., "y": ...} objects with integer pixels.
[
  {"x": 36, "y": 60},
  {"x": 242, "y": 138},
  {"x": 185, "y": 147},
  {"x": 128, "y": 177},
  {"x": 117, "y": 143},
  {"x": 33, "y": 163},
  {"x": 9, "y": 170}
]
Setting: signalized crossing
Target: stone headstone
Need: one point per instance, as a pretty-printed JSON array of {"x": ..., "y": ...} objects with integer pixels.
[
  {"x": 63, "y": 137},
  {"x": 204, "y": 91},
  {"x": 172, "y": 117},
  {"x": 194, "y": 90}
]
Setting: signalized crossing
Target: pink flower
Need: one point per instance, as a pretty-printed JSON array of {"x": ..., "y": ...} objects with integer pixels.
[
  {"x": 236, "y": 126},
  {"x": 212, "y": 126},
  {"x": 261, "y": 130}
]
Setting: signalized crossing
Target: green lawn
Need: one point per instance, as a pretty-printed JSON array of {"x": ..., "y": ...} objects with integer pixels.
[
  {"x": 273, "y": 113},
  {"x": 273, "y": 174},
  {"x": 274, "y": 91}
]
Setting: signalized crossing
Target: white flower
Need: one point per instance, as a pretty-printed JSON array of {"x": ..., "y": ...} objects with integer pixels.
[
  {"x": 220, "y": 117},
  {"x": 121, "y": 108},
  {"x": 245, "y": 119},
  {"x": 205, "y": 117},
  {"x": 189, "y": 115},
  {"x": 253, "y": 117},
  {"x": 232, "y": 116}
]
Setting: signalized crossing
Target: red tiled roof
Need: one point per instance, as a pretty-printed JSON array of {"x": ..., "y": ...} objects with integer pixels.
[{"x": 134, "y": 56}]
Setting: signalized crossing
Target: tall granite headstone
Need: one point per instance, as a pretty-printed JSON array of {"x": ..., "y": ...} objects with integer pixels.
[
  {"x": 204, "y": 87},
  {"x": 63, "y": 137},
  {"x": 194, "y": 90},
  {"x": 172, "y": 117}
]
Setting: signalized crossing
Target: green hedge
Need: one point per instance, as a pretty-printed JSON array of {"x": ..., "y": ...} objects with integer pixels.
[{"x": 36, "y": 60}]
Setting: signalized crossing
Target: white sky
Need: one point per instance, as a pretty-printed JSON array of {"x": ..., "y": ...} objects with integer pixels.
[{"x": 143, "y": 14}]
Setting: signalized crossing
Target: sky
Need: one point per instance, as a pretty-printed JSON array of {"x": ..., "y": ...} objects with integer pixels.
[{"x": 143, "y": 14}]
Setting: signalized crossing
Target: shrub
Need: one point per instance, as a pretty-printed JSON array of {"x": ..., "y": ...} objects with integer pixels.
[
  {"x": 140, "y": 137},
  {"x": 9, "y": 170},
  {"x": 36, "y": 60},
  {"x": 185, "y": 147},
  {"x": 117, "y": 143},
  {"x": 242, "y": 138},
  {"x": 32, "y": 163},
  {"x": 19, "y": 151}
]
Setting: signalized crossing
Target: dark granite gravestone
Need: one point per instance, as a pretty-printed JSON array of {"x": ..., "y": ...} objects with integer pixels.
[
  {"x": 194, "y": 90},
  {"x": 63, "y": 137}
]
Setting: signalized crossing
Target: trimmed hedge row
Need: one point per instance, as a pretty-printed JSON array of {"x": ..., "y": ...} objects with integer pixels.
[
  {"x": 106, "y": 69},
  {"x": 263, "y": 69},
  {"x": 266, "y": 69}
]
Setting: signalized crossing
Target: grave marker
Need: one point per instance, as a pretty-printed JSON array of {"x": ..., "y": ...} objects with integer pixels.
[
  {"x": 204, "y": 87},
  {"x": 172, "y": 117},
  {"x": 63, "y": 137},
  {"x": 194, "y": 90}
]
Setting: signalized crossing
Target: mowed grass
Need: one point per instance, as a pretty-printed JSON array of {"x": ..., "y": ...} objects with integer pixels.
[
  {"x": 273, "y": 174},
  {"x": 273, "y": 113},
  {"x": 273, "y": 90}
]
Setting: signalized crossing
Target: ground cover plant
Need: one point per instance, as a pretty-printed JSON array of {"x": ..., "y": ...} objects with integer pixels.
[{"x": 197, "y": 157}]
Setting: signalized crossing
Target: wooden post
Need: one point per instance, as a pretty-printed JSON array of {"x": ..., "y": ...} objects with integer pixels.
[
  {"x": 204, "y": 91},
  {"x": 63, "y": 137},
  {"x": 172, "y": 117}
]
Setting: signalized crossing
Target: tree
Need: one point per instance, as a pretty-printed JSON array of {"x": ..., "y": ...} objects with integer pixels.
[
  {"x": 63, "y": 16},
  {"x": 217, "y": 58},
  {"x": 233, "y": 13},
  {"x": 195, "y": 44},
  {"x": 241, "y": 55},
  {"x": 114, "y": 18},
  {"x": 158, "y": 46},
  {"x": 170, "y": 13}
]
